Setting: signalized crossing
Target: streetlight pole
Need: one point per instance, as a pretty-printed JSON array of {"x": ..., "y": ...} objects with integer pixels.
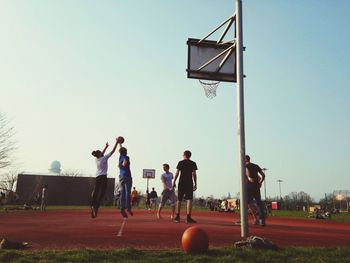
[
  {"x": 264, "y": 170},
  {"x": 279, "y": 182}
]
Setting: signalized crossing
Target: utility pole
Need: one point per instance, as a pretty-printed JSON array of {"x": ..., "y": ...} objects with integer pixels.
[
  {"x": 279, "y": 181},
  {"x": 264, "y": 170},
  {"x": 240, "y": 108}
]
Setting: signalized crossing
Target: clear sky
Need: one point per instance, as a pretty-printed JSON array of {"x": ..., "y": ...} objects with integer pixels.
[{"x": 75, "y": 74}]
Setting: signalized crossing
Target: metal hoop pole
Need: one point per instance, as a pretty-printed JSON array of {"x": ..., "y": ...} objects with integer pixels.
[{"x": 241, "y": 130}]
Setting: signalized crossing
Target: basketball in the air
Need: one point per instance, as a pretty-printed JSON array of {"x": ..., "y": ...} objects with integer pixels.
[
  {"x": 121, "y": 139},
  {"x": 194, "y": 240}
]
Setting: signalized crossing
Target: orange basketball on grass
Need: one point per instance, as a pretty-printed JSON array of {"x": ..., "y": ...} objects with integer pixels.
[{"x": 194, "y": 240}]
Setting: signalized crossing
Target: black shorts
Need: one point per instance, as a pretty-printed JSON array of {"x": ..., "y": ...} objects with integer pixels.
[
  {"x": 185, "y": 192},
  {"x": 253, "y": 193}
]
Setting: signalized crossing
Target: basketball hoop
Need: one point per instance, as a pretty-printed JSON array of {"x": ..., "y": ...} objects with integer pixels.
[{"x": 209, "y": 87}]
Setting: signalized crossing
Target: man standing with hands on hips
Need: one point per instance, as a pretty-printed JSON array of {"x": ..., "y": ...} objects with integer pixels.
[
  {"x": 255, "y": 177},
  {"x": 186, "y": 170}
]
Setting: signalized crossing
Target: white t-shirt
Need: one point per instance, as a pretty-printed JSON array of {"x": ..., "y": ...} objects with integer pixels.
[
  {"x": 102, "y": 165},
  {"x": 167, "y": 178}
]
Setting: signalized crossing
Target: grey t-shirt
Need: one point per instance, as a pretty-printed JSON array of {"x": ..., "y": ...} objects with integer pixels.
[{"x": 167, "y": 178}]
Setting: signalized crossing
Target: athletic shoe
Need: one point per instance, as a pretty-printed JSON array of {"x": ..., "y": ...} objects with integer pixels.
[
  {"x": 189, "y": 220},
  {"x": 256, "y": 222},
  {"x": 124, "y": 214},
  {"x": 130, "y": 212},
  {"x": 177, "y": 219}
]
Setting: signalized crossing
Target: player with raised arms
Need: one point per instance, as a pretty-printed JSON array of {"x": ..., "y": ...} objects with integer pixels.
[
  {"x": 101, "y": 176},
  {"x": 125, "y": 181}
]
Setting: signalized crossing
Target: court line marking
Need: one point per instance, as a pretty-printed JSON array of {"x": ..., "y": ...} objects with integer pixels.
[{"x": 120, "y": 233}]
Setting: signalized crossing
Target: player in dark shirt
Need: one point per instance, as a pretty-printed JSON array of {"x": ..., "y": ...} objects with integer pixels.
[
  {"x": 153, "y": 198},
  {"x": 255, "y": 178},
  {"x": 186, "y": 169}
]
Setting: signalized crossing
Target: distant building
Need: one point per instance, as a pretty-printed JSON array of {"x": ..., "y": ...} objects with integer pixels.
[
  {"x": 62, "y": 190},
  {"x": 55, "y": 167}
]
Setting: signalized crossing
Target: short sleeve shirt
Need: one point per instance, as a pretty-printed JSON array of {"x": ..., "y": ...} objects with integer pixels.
[
  {"x": 253, "y": 169},
  {"x": 124, "y": 171},
  {"x": 153, "y": 194},
  {"x": 102, "y": 164},
  {"x": 167, "y": 178},
  {"x": 134, "y": 193},
  {"x": 186, "y": 168}
]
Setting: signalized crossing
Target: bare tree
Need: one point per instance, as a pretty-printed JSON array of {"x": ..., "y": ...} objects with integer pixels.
[
  {"x": 7, "y": 143},
  {"x": 72, "y": 172},
  {"x": 296, "y": 200},
  {"x": 8, "y": 180}
]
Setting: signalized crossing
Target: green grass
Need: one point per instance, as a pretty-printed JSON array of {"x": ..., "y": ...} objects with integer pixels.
[
  {"x": 342, "y": 217},
  {"x": 293, "y": 255},
  {"x": 290, "y": 214}
]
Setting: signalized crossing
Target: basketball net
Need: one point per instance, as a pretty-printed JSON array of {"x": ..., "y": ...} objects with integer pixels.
[{"x": 209, "y": 87}]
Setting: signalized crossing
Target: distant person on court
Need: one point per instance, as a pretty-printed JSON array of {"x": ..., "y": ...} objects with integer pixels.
[
  {"x": 186, "y": 170},
  {"x": 255, "y": 178},
  {"x": 168, "y": 191},
  {"x": 134, "y": 195},
  {"x": 101, "y": 177},
  {"x": 237, "y": 204},
  {"x": 44, "y": 198},
  {"x": 153, "y": 198},
  {"x": 125, "y": 182}
]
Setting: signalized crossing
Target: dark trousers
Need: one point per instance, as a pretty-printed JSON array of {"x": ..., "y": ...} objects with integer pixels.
[
  {"x": 125, "y": 192},
  {"x": 99, "y": 191},
  {"x": 254, "y": 193}
]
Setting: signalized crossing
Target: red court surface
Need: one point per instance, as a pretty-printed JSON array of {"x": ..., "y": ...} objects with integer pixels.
[{"x": 67, "y": 229}]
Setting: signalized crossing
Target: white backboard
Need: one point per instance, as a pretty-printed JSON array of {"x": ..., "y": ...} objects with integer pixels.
[
  {"x": 199, "y": 53},
  {"x": 149, "y": 173}
]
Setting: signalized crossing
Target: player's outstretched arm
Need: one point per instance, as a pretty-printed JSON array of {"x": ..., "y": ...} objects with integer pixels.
[
  {"x": 104, "y": 149},
  {"x": 115, "y": 146}
]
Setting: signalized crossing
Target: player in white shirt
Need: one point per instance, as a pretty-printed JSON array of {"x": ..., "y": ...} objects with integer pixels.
[
  {"x": 101, "y": 177},
  {"x": 168, "y": 191}
]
